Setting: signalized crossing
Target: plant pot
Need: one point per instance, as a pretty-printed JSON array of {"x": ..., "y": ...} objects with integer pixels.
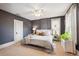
[
  {"x": 63, "y": 44},
  {"x": 67, "y": 45}
]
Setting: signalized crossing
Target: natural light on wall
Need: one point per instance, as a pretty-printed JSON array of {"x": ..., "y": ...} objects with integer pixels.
[
  {"x": 55, "y": 25},
  {"x": 70, "y": 27}
]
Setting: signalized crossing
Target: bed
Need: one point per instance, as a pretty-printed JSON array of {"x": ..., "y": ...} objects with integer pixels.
[{"x": 45, "y": 41}]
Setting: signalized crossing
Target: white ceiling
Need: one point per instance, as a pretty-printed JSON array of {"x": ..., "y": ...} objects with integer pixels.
[{"x": 25, "y": 9}]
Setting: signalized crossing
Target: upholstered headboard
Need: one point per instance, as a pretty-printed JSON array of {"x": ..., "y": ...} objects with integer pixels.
[{"x": 46, "y": 32}]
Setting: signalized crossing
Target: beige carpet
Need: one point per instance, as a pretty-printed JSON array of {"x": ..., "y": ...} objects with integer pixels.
[{"x": 25, "y": 50}]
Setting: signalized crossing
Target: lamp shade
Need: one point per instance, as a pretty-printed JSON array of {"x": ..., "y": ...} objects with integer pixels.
[{"x": 34, "y": 29}]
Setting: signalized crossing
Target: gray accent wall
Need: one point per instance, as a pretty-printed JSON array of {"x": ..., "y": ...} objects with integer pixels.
[
  {"x": 7, "y": 26},
  {"x": 42, "y": 23},
  {"x": 77, "y": 17},
  {"x": 78, "y": 25},
  {"x": 37, "y": 23},
  {"x": 46, "y": 23},
  {"x": 62, "y": 24}
]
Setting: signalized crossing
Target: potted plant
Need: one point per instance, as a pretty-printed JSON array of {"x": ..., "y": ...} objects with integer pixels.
[{"x": 65, "y": 38}]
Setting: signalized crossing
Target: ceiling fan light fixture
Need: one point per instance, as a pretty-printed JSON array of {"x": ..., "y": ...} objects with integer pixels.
[
  {"x": 37, "y": 15},
  {"x": 38, "y": 12}
]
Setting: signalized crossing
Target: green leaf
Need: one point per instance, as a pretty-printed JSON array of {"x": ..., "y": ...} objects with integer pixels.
[{"x": 66, "y": 36}]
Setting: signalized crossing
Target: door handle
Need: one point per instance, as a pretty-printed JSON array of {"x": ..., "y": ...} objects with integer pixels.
[{"x": 16, "y": 32}]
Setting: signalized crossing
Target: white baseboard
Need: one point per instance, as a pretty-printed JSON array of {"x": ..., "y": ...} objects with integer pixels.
[{"x": 6, "y": 44}]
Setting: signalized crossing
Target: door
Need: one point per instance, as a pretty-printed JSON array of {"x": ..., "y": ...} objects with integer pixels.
[{"x": 18, "y": 30}]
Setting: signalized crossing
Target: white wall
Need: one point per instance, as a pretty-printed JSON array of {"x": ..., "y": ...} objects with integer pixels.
[{"x": 56, "y": 22}]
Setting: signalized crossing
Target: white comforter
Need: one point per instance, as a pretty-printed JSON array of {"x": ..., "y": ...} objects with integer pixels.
[
  {"x": 44, "y": 38},
  {"x": 45, "y": 41}
]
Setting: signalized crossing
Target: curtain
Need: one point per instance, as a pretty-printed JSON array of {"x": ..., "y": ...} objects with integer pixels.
[{"x": 70, "y": 26}]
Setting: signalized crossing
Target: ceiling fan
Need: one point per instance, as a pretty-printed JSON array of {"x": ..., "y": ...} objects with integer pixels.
[
  {"x": 35, "y": 11},
  {"x": 38, "y": 12}
]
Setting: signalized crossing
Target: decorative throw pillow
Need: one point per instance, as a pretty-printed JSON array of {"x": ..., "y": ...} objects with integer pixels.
[
  {"x": 41, "y": 33},
  {"x": 37, "y": 33}
]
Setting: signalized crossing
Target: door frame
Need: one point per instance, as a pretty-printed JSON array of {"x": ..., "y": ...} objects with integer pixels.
[{"x": 15, "y": 32}]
